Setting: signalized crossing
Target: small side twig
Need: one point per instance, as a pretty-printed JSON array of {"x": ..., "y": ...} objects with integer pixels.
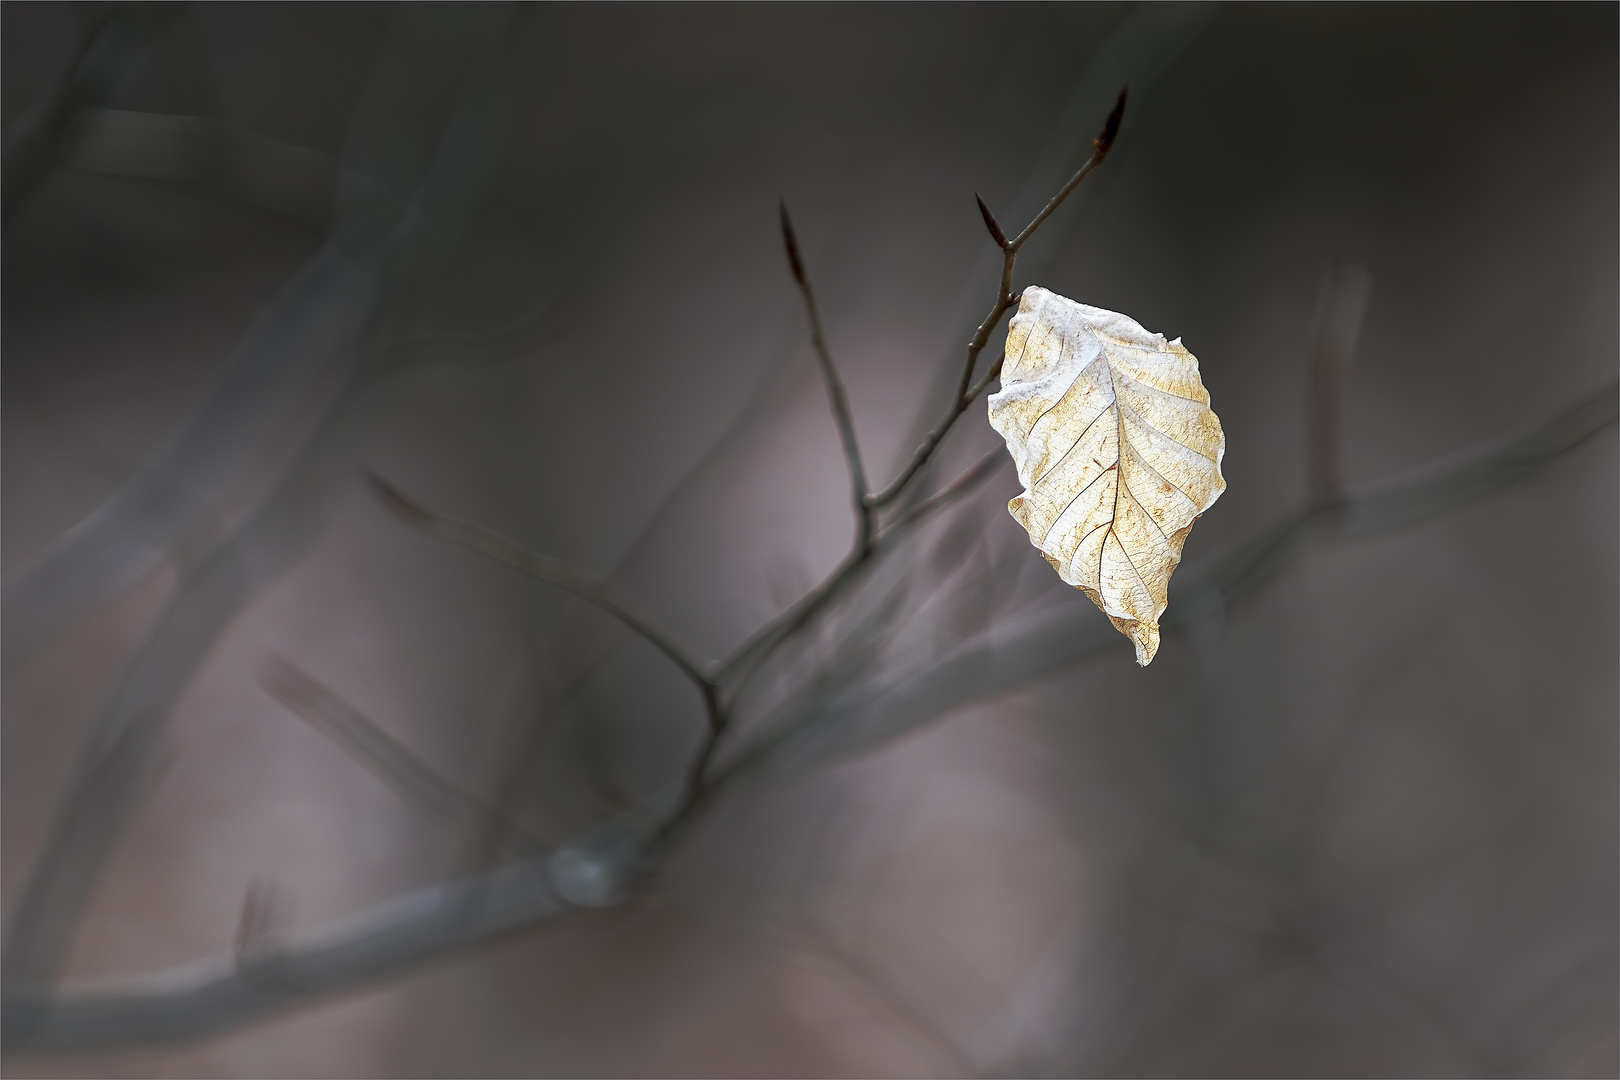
[
  {"x": 1005, "y": 301},
  {"x": 413, "y": 779},
  {"x": 736, "y": 669},
  {"x": 972, "y": 477},
  {"x": 748, "y": 656},
  {"x": 558, "y": 573},
  {"x": 836, "y": 396},
  {"x": 213, "y": 996}
]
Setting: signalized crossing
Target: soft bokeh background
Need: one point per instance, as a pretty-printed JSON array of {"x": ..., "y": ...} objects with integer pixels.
[{"x": 1363, "y": 823}]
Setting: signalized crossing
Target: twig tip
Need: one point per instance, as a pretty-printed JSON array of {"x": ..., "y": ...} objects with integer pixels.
[
  {"x": 792, "y": 244},
  {"x": 990, "y": 223},
  {"x": 1105, "y": 141}
]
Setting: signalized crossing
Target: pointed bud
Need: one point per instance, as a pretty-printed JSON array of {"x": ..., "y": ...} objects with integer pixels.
[
  {"x": 1104, "y": 141},
  {"x": 792, "y": 246},
  {"x": 990, "y": 223}
]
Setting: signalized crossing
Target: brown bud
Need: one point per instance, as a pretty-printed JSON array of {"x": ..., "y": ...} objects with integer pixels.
[
  {"x": 792, "y": 246},
  {"x": 1110, "y": 130},
  {"x": 990, "y": 223}
]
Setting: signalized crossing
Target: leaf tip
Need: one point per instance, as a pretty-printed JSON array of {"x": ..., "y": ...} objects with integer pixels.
[
  {"x": 1146, "y": 640},
  {"x": 791, "y": 243},
  {"x": 1105, "y": 140},
  {"x": 1143, "y": 635}
]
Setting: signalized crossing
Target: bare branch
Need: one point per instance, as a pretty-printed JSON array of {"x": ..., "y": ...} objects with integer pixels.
[
  {"x": 1100, "y": 147},
  {"x": 975, "y": 474},
  {"x": 1012, "y": 655},
  {"x": 921, "y": 455},
  {"x": 541, "y": 566},
  {"x": 752, "y": 654},
  {"x": 263, "y": 920},
  {"x": 221, "y": 993},
  {"x": 213, "y": 996},
  {"x": 413, "y": 779},
  {"x": 1005, "y": 301},
  {"x": 835, "y": 390},
  {"x": 759, "y": 645}
]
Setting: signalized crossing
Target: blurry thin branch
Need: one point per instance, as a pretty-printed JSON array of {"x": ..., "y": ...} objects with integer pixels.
[
  {"x": 769, "y": 636},
  {"x": 370, "y": 273},
  {"x": 217, "y": 994},
  {"x": 839, "y": 707},
  {"x": 213, "y": 996},
  {"x": 721, "y": 688},
  {"x": 262, "y": 922},
  {"x": 1012, "y": 654},
  {"x": 1339, "y": 312},
  {"x": 111, "y": 47},
  {"x": 546, "y": 568},
  {"x": 385, "y": 757},
  {"x": 238, "y": 162}
]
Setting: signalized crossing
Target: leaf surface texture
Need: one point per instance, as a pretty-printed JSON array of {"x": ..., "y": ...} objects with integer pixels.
[{"x": 1117, "y": 448}]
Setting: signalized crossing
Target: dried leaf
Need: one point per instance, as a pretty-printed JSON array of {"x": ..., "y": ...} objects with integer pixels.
[{"x": 1118, "y": 451}]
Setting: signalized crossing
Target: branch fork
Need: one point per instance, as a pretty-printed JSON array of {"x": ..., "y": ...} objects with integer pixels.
[{"x": 720, "y": 684}]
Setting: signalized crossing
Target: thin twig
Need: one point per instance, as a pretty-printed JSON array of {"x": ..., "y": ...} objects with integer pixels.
[
  {"x": 1100, "y": 146},
  {"x": 548, "y": 569},
  {"x": 1005, "y": 301},
  {"x": 758, "y": 646},
  {"x": 925, "y": 451},
  {"x": 1052, "y": 641},
  {"x": 972, "y": 477},
  {"x": 389, "y": 760},
  {"x": 836, "y": 396},
  {"x": 883, "y": 544}
]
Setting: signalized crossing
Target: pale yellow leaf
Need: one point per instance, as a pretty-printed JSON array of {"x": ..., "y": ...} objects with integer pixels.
[{"x": 1117, "y": 449}]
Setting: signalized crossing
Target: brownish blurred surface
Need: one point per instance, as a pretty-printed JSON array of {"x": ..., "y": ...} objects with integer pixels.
[{"x": 1363, "y": 823}]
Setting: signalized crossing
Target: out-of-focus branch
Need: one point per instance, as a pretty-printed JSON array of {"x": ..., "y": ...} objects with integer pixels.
[
  {"x": 111, "y": 48},
  {"x": 233, "y": 160},
  {"x": 1013, "y": 654},
  {"x": 748, "y": 656},
  {"x": 356, "y": 307},
  {"x": 957, "y": 489},
  {"x": 385, "y": 757},
  {"x": 1339, "y": 311},
  {"x": 551, "y": 570},
  {"x": 214, "y": 995},
  {"x": 219, "y": 993}
]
